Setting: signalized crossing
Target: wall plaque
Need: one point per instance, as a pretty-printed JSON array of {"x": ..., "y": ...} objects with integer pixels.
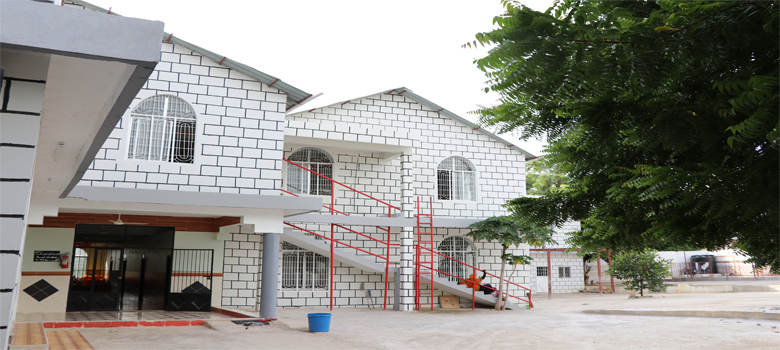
[{"x": 47, "y": 255}]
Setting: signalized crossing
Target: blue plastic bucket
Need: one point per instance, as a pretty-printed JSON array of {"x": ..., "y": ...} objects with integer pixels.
[{"x": 319, "y": 322}]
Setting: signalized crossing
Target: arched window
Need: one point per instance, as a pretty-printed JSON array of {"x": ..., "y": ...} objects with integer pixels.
[
  {"x": 457, "y": 180},
  {"x": 305, "y": 182},
  {"x": 162, "y": 129},
  {"x": 458, "y": 248}
]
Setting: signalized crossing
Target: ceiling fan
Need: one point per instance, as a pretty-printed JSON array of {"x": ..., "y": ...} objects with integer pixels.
[{"x": 119, "y": 221}]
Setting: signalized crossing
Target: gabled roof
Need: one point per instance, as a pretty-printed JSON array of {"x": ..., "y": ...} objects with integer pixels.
[
  {"x": 441, "y": 110},
  {"x": 295, "y": 96}
]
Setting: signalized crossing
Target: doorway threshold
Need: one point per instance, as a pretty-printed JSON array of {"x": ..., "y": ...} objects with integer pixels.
[{"x": 109, "y": 319}]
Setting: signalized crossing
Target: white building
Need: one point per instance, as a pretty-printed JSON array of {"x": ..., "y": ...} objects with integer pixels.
[{"x": 199, "y": 196}]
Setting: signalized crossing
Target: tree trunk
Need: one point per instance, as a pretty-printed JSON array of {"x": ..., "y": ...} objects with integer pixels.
[
  {"x": 506, "y": 294},
  {"x": 501, "y": 279}
]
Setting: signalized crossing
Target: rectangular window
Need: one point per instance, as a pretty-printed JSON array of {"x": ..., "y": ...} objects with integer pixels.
[
  {"x": 541, "y": 271},
  {"x": 303, "y": 270},
  {"x": 564, "y": 272}
]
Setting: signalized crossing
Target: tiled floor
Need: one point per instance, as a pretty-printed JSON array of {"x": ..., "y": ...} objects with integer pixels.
[{"x": 120, "y": 316}]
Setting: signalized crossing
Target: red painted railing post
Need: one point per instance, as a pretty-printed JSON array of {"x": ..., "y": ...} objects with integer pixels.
[
  {"x": 611, "y": 278},
  {"x": 332, "y": 257},
  {"x": 387, "y": 255},
  {"x": 331, "y": 267},
  {"x": 598, "y": 265},
  {"x": 417, "y": 277},
  {"x": 474, "y": 288}
]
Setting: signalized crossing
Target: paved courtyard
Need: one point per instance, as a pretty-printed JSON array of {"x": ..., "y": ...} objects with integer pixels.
[{"x": 559, "y": 323}]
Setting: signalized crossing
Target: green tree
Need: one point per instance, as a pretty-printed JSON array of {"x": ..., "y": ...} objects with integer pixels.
[
  {"x": 509, "y": 231},
  {"x": 640, "y": 270},
  {"x": 663, "y": 115},
  {"x": 543, "y": 178}
]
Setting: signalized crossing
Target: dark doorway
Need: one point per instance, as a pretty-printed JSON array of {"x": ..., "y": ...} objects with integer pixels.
[
  {"x": 96, "y": 283},
  {"x": 120, "y": 267}
]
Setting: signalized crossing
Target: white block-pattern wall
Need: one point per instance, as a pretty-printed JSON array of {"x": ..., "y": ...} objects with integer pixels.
[
  {"x": 562, "y": 234},
  {"x": 22, "y": 96},
  {"x": 394, "y": 120},
  {"x": 238, "y": 138},
  {"x": 364, "y": 171},
  {"x": 240, "y": 270},
  {"x": 347, "y": 280},
  {"x": 561, "y": 283}
]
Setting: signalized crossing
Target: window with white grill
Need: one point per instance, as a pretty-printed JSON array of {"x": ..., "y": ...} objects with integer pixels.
[
  {"x": 564, "y": 272},
  {"x": 300, "y": 181},
  {"x": 541, "y": 271},
  {"x": 457, "y": 180},
  {"x": 162, "y": 129},
  {"x": 458, "y": 248},
  {"x": 303, "y": 270}
]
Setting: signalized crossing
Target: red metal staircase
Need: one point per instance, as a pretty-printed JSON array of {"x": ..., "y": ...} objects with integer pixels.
[
  {"x": 426, "y": 271},
  {"x": 425, "y": 255}
]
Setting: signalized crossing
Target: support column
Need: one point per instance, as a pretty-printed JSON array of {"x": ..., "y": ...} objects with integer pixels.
[
  {"x": 18, "y": 148},
  {"x": 549, "y": 276},
  {"x": 270, "y": 275},
  {"x": 407, "y": 289}
]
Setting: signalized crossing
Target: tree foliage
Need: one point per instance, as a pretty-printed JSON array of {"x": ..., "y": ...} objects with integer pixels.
[
  {"x": 640, "y": 270},
  {"x": 541, "y": 178},
  {"x": 663, "y": 114},
  {"x": 509, "y": 231}
]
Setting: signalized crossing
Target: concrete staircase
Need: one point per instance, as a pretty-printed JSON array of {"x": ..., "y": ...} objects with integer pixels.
[
  {"x": 342, "y": 254},
  {"x": 366, "y": 263},
  {"x": 460, "y": 290}
]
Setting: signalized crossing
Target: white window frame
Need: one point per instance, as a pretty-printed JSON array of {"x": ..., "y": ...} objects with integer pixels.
[
  {"x": 564, "y": 272},
  {"x": 461, "y": 184},
  {"x": 309, "y": 183},
  {"x": 164, "y": 125},
  {"x": 459, "y": 248},
  {"x": 303, "y": 270}
]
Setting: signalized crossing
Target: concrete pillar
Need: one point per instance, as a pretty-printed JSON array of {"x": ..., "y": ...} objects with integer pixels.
[
  {"x": 270, "y": 275},
  {"x": 18, "y": 149},
  {"x": 407, "y": 236}
]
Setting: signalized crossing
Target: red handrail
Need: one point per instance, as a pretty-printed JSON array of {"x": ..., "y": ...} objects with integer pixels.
[
  {"x": 333, "y": 240},
  {"x": 339, "y": 183},
  {"x": 333, "y": 211},
  {"x": 464, "y": 279},
  {"x": 474, "y": 269},
  {"x": 460, "y": 262},
  {"x": 367, "y": 236}
]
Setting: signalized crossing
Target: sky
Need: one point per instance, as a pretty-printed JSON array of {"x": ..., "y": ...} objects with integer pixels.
[{"x": 345, "y": 48}]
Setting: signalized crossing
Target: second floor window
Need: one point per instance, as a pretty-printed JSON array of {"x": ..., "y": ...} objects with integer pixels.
[
  {"x": 457, "y": 180},
  {"x": 162, "y": 129},
  {"x": 300, "y": 181}
]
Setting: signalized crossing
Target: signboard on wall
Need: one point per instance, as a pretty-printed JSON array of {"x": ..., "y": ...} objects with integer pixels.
[{"x": 47, "y": 255}]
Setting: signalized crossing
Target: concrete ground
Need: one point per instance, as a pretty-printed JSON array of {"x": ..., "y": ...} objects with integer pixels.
[{"x": 559, "y": 323}]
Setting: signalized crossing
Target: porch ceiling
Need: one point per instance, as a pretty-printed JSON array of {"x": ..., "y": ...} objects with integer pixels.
[{"x": 96, "y": 65}]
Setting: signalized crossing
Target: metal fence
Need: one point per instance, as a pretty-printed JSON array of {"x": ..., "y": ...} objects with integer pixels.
[
  {"x": 191, "y": 271},
  {"x": 723, "y": 267}
]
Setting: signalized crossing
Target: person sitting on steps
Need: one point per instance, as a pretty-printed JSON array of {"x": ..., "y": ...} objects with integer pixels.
[{"x": 473, "y": 282}]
